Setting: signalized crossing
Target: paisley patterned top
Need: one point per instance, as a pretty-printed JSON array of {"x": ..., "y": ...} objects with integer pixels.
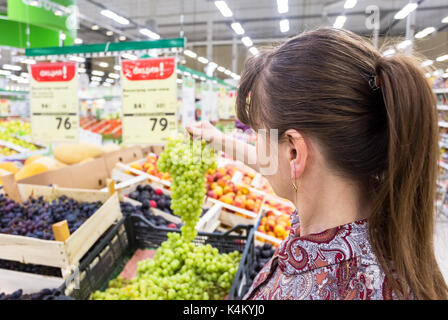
[{"x": 335, "y": 264}]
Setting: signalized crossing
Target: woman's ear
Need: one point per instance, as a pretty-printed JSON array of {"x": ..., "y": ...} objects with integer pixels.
[{"x": 297, "y": 152}]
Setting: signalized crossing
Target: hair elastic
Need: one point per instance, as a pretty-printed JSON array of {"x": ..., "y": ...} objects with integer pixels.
[{"x": 374, "y": 83}]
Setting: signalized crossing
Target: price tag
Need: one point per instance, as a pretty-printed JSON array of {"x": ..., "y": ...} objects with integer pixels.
[
  {"x": 149, "y": 99},
  {"x": 54, "y": 102}
]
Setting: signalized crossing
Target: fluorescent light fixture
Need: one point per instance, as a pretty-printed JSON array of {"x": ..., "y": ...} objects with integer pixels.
[
  {"x": 389, "y": 52},
  {"x": 94, "y": 83},
  {"x": 282, "y": 6},
  {"x": 77, "y": 59},
  {"x": 78, "y": 41},
  {"x": 5, "y": 72},
  {"x": 98, "y": 73},
  {"x": 427, "y": 63},
  {"x": 110, "y": 80},
  {"x": 112, "y": 15},
  {"x": 228, "y": 72},
  {"x": 117, "y": 67},
  {"x": 350, "y": 4},
  {"x": 186, "y": 73},
  {"x": 23, "y": 80},
  {"x": 254, "y": 51},
  {"x": 339, "y": 22},
  {"x": 238, "y": 28},
  {"x": 12, "y": 67},
  {"x": 95, "y": 27},
  {"x": 224, "y": 8},
  {"x": 445, "y": 20},
  {"x": 82, "y": 70},
  {"x": 103, "y": 64},
  {"x": 221, "y": 69},
  {"x": 202, "y": 78},
  {"x": 122, "y": 38},
  {"x": 439, "y": 59},
  {"x": 425, "y": 32},
  {"x": 107, "y": 84},
  {"x": 149, "y": 34},
  {"x": 24, "y": 75},
  {"x": 407, "y": 9},
  {"x": 203, "y": 60},
  {"x": 109, "y": 33},
  {"x": 190, "y": 53},
  {"x": 284, "y": 25},
  {"x": 58, "y": 13},
  {"x": 179, "y": 81},
  {"x": 28, "y": 61},
  {"x": 247, "y": 41},
  {"x": 404, "y": 44},
  {"x": 195, "y": 76},
  {"x": 212, "y": 65},
  {"x": 129, "y": 56},
  {"x": 62, "y": 36},
  {"x": 114, "y": 76},
  {"x": 96, "y": 78}
]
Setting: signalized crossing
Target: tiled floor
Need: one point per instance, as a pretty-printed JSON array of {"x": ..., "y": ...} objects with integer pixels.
[{"x": 441, "y": 245}]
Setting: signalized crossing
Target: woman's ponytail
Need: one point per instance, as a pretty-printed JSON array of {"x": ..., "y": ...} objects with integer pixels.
[{"x": 402, "y": 225}]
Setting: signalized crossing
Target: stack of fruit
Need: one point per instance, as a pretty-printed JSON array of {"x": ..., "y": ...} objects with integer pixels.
[
  {"x": 45, "y": 294},
  {"x": 150, "y": 167},
  {"x": 275, "y": 224},
  {"x": 287, "y": 209}
]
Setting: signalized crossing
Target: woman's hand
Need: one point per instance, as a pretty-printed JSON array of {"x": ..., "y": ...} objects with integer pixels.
[{"x": 204, "y": 130}]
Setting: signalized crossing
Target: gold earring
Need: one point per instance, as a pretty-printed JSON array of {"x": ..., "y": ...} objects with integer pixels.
[{"x": 295, "y": 186}]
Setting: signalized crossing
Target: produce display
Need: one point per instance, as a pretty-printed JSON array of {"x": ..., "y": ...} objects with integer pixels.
[
  {"x": 279, "y": 206},
  {"x": 150, "y": 167},
  {"x": 13, "y": 132},
  {"x": 127, "y": 209},
  {"x": 275, "y": 225},
  {"x": 45, "y": 294},
  {"x": 30, "y": 268},
  {"x": 15, "y": 128},
  {"x": 104, "y": 127},
  {"x": 181, "y": 269},
  {"x": 72, "y": 153}
]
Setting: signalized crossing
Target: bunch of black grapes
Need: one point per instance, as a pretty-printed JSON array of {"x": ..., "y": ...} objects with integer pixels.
[
  {"x": 145, "y": 211},
  {"x": 45, "y": 294}
]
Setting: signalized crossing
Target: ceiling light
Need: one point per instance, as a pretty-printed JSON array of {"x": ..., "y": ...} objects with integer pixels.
[
  {"x": 98, "y": 73},
  {"x": 238, "y": 28},
  {"x": 114, "y": 76},
  {"x": 96, "y": 78},
  {"x": 427, "y": 63},
  {"x": 350, "y": 4},
  {"x": 389, "y": 52},
  {"x": 112, "y": 15},
  {"x": 12, "y": 67},
  {"x": 404, "y": 44},
  {"x": 221, "y": 69},
  {"x": 77, "y": 59},
  {"x": 149, "y": 34},
  {"x": 407, "y": 9},
  {"x": 103, "y": 64},
  {"x": 107, "y": 84},
  {"x": 247, "y": 41},
  {"x": 228, "y": 72},
  {"x": 203, "y": 78},
  {"x": 78, "y": 41},
  {"x": 439, "y": 59},
  {"x": 110, "y": 80},
  {"x": 24, "y": 75},
  {"x": 81, "y": 70},
  {"x": 203, "y": 60},
  {"x": 212, "y": 65},
  {"x": 284, "y": 25},
  {"x": 445, "y": 20},
  {"x": 122, "y": 38},
  {"x": 5, "y": 72},
  {"x": 423, "y": 33},
  {"x": 109, "y": 33},
  {"x": 223, "y": 8},
  {"x": 117, "y": 67},
  {"x": 94, "y": 83},
  {"x": 129, "y": 56},
  {"x": 190, "y": 53},
  {"x": 339, "y": 22},
  {"x": 28, "y": 61},
  {"x": 254, "y": 51},
  {"x": 95, "y": 27},
  {"x": 179, "y": 81},
  {"x": 282, "y": 6}
]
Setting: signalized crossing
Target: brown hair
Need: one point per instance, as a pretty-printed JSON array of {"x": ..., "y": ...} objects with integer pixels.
[{"x": 386, "y": 138}]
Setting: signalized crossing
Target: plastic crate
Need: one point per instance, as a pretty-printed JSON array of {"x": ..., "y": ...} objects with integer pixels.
[{"x": 109, "y": 256}]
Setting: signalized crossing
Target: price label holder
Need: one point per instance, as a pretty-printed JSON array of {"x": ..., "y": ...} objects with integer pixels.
[
  {"x": 54, "y": 102},
  {"x": 149, "y": 99}
]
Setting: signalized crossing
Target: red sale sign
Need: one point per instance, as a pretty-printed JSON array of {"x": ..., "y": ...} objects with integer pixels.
[
  {"x": 148, "y": 69},
  {"x": 53, "y": 72}
]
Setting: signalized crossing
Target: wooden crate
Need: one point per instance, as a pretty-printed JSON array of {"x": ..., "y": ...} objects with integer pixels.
[{"x": 64, "y": 255}]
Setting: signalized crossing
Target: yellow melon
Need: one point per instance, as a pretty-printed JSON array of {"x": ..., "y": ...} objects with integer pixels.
[
  {"x": 9, "y": 166},
  {"x": 30, "y": 170},
  {"x": 33, "y": 158},
  {"x": 75, "y": 153}
]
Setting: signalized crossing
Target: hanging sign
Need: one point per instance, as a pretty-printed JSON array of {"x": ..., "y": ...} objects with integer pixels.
[
  {"x": 54, "y": 102},
  {"x": 149, "y": 100},
  {"x": 188, "y": 101}
]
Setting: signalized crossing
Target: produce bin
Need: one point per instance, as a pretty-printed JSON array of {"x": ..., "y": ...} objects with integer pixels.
[{"x": 109, "y": 256}]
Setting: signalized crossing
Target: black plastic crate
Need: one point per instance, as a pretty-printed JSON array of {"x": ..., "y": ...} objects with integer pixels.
[{"x": 109, "y": 256}]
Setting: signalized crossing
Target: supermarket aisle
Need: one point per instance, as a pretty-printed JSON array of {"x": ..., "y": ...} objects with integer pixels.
[{"x": 441, "y": 244}]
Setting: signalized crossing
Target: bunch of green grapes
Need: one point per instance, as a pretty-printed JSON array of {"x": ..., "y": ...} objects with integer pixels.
[
  {"x": 187, "y": 162},
  {"x": 180, "y": 270}
]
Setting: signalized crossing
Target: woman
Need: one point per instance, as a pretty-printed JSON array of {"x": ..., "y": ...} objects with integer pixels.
[{"x": 357, "y": 155}]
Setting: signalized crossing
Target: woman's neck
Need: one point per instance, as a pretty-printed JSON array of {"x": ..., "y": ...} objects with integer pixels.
[{"x": 325, "y": 201}]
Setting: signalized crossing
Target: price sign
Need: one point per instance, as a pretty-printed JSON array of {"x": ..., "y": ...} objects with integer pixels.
[
  {"x": 149, "y": 99},
  {"x": 54, "y": 102}
]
